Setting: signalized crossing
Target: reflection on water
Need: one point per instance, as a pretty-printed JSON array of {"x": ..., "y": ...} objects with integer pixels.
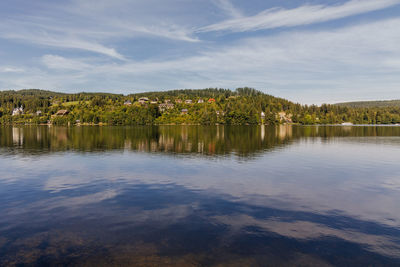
[
  {"x": 217, "y": 140},
  {"x": 308, "y": 196}
]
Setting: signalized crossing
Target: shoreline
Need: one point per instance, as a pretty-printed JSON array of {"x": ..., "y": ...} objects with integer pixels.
[{"x": 197, "y": 124}]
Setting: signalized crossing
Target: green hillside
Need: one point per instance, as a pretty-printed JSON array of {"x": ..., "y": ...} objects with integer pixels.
[
  {"x": 371, "y": 104},
  {"x": 206, "y": 106}
]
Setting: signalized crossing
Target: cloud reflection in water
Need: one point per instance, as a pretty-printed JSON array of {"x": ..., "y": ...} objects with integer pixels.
[{"x": 326, "y": 196}]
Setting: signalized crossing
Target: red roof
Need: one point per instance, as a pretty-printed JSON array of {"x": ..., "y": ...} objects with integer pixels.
[{"x": 211, "y": 100}]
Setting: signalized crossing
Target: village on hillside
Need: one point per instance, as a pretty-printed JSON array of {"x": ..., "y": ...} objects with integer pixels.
[
  {"x": 206, "y": 107},
  {"x": 164, "y": 110}
]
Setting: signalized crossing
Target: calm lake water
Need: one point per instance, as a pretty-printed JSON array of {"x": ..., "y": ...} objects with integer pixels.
[{"x": 208, "y": 196}]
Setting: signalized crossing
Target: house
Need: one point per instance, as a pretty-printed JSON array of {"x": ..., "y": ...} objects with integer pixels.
[
  {"x": 200, "y": 101},
  {"x": 285, "y": 117},
  {"x": 18, "y": 111},
  {"x": 188, "y": 101},
  {"x": 211, "y": 100},
  {"x": 143, "y": 100},
  {"x": 167, "y": 101},
  {"x": 162, "y": 107},
  {"x": 153, "y": 102},
  {"x": 127, "y": 103},
  {"x": 178, "y": 101},
  {"x": 262, "y": 115},
  {"x": 39, "y": 113},
  {"x": 62, "y": 112},
  {"x": 165, "y": 106},
  {"x": 184, "y": 111}
]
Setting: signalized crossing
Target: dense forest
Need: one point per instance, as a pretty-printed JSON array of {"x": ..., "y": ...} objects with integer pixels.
[
  {"x": 206, "y": 107},
  {"x": 371, "y": 104}
]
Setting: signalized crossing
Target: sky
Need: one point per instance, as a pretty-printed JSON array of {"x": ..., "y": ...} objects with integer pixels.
[{"x": 312, "y": 52}]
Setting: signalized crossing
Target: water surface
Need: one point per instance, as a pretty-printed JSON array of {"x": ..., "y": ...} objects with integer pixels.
[{"x": 192, "y": 195}]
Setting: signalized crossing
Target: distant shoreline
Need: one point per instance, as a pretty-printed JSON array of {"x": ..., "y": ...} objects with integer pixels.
[{"x": 193, "y": 124}]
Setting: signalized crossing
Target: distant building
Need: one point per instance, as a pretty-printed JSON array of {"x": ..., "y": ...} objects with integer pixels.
[
  {"x": 285, "y": 117},
  {"x": 347, "y": 124},
  {"x": 262, "y": 114},
  {"x": 200, "y": 101},
  {"x": 18, "y": 111},
  {"x": 39, "y": 113},
  {"x": 153, "y": 102},
  {"x": 143, "y": 100},
  {"x": 167, "y": 100},
  {"x": 184, "y": 111},
  {"x": 55, "y": 102},
  {"x": 188, "y": 101},
  {"x": 127, "y": 103},
  {"x": 62, "y": 112},
  {"x": 165, "y": 106},
  {"x": 162, "y": 107},
  {"x": 281, "y": 115},
  {"x": 178, "y": 101},
  {"x": 211, "y": 100}
]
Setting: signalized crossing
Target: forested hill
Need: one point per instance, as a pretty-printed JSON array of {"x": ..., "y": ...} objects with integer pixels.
[
  {"x": 371, "y": 104},
  {"x": 206, "y": 106}
]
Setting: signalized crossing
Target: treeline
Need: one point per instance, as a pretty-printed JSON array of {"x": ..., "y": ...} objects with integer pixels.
[
  {"x": 371, "y": 104},
  {"x": 207, "y": 107}
]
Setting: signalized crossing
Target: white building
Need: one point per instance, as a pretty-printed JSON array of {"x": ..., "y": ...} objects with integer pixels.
[
  {"x": 18, "y": 111},
  {"x": 143, "y": 100}
]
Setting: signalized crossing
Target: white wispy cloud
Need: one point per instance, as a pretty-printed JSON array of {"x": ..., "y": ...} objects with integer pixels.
[
  {"x": 56, "y": 62},
  {"x": 228, "y": 8},
  {"x": 10, "y": 69},
  {"x": 302, "y": 15},
  {"x": 130, "y": 19},
  {"x": 94, "y": 26},
  {"x": 126, "y": 28},
  {"x": 36, "y": 33},
  {"x": 68, "y": 42},
  {"x": 331, "y": 65}
]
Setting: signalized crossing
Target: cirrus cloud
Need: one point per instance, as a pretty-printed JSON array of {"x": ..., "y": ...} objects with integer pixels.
[{"x": 302, "y": 15}]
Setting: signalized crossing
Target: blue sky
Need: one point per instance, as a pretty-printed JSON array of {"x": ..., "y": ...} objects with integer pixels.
[{"x": 307, "y": 51}]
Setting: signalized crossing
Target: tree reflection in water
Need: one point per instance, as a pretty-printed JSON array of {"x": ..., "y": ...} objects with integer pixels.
[{"x": 173, "y": 196}]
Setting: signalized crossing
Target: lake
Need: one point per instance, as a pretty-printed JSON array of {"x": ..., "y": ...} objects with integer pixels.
[{"x": 200, "y": 196}]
